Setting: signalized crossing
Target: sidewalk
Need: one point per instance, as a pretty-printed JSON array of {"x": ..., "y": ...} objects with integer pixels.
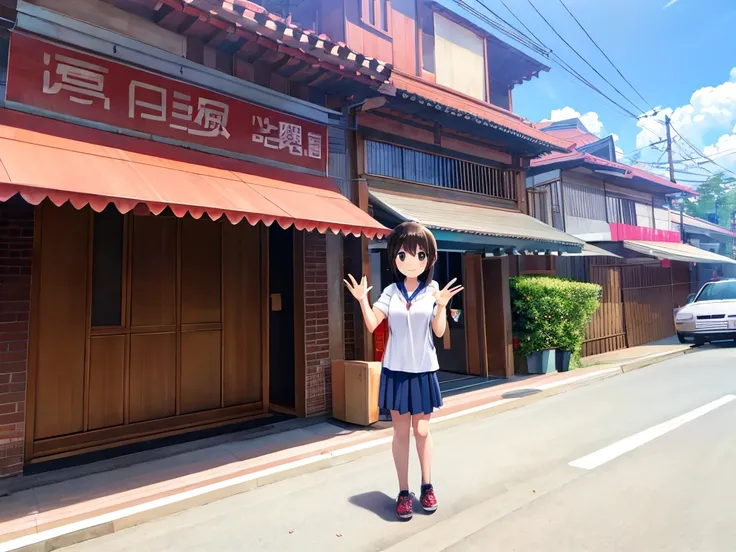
[
  {"x": 638, "y": 357},
  {"x": 86, "y": 506}
]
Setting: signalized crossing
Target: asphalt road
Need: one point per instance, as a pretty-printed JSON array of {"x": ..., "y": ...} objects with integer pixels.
[{"x": 654, "y": 469}]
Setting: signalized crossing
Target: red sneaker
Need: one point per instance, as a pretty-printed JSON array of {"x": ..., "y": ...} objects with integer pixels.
[
  {"x": 428, "y": 500},
  {"x": 404, "y": 507}
]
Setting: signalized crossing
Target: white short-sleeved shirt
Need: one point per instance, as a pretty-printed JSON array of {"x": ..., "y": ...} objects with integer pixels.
[{"x": 410, "y": 346}]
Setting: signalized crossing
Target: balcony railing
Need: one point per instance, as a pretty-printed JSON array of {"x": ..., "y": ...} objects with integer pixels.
[{"x": 400, "y": 163}]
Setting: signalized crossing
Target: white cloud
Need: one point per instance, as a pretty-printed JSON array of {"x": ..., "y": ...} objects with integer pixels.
[
  {"x": 711, "y": 109},
  {"x": 723, "y": 152},
  {"x": 710, "y": 113},
  {"x": 670, "y": 3},
  {"x": 590, "y": 120}
]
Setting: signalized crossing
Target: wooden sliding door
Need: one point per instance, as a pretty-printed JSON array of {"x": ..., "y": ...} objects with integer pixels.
[{"x": 141, "y": 326}]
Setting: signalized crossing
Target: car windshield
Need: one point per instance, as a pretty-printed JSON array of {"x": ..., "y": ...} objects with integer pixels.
[{"x": 718, "y": 292}]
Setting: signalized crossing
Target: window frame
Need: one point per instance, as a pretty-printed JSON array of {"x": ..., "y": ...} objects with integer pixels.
[
  {"x": 381, "y": 10},
  {"x": 454, "y": 19}
]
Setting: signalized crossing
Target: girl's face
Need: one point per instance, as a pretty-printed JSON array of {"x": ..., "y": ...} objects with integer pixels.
[{"x": 410, "y": 265}]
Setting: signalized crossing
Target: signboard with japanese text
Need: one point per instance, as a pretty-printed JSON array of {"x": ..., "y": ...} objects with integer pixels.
[{"x": 65, "y": 81}]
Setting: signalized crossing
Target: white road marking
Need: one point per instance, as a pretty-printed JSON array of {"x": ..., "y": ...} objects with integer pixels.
[
  {"x": 628, "y": 444},
  {"x": 36, "y": 538}
]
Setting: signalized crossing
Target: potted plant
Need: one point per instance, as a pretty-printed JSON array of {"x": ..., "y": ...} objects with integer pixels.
[
  {"x": 550, "y": 317},
  {"x": 533, "y": 325}
]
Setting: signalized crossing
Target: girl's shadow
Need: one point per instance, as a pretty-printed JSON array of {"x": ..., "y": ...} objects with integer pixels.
[
  {"x": 381, "y": 504},
  {"x": 377, "y": 502}
]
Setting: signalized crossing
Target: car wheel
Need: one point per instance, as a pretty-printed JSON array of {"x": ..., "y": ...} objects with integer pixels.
[{"x": 681, "y": 338}]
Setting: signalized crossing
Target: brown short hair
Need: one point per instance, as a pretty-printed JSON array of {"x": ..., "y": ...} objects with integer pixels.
[{"x": 410, "y": 236}]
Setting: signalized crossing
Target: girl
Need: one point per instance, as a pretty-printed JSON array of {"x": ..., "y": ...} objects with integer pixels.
[{"x": 415, "y": 306}]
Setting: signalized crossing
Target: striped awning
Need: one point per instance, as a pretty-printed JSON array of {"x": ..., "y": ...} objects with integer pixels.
[{"x": 676, "y": 252}]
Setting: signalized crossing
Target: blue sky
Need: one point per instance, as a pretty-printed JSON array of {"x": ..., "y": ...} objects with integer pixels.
[{"x": 678, "y": 54}]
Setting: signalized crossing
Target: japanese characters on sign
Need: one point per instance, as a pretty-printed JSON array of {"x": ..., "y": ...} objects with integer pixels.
[{"x": 61, "y": 80}]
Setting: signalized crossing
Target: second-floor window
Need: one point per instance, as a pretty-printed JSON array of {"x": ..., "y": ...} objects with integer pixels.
[
  {"x": 622, "y": 211},
  {"x": 460, "y": 61},
  {"x": 376, "y": 13},
  {"x": 400, "y": 163}
]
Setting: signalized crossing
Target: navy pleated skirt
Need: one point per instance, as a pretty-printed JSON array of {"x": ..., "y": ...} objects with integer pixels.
[{"x": 409, "y": 393}]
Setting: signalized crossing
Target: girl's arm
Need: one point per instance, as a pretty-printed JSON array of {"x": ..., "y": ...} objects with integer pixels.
[
  {"x": 439, "y": 321},
  {"x": 372, "y": 316},
  {"x": 442, "y": 298}
]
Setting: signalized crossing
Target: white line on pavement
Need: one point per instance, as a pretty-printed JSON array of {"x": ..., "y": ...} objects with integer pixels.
[
  {"x": 628, "y": 444},
  {"x": 88, "y": 523}
]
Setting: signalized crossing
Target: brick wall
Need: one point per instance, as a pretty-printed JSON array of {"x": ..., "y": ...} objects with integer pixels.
[
  {"x": 318, "y": 367},
  {"x": 349, "y": 314},
  {"x": 16, "y": 246}
]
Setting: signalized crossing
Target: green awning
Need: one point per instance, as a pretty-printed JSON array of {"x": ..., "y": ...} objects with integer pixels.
[{"x": 476, "y": 223}]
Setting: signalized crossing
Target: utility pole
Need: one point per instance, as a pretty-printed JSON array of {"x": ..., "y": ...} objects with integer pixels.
[
  {"x": 667, "y": 122},
  {"x": 669, "y": 148}
]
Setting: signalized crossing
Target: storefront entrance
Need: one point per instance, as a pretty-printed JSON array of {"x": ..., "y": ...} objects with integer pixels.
[
  {"x": 281, "y": 319},
  {"x": 141, "y": 326},
  {"x": 451, "y": 349}
]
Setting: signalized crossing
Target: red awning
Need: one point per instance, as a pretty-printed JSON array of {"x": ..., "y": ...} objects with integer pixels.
[{"x": 45, "y": 159}]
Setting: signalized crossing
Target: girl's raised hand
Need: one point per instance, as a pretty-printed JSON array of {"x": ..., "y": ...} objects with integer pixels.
[
  {"x": 359, "y": 290},
  {"x": 442, "y": 296}
]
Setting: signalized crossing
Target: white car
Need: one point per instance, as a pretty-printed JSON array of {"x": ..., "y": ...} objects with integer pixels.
[{"x": 709, "y": 315}]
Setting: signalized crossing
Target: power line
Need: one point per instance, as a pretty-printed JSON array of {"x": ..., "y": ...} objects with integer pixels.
[
  {"x": 692, "y": 181},
  {"x": 692, "y": 173},
  {"x": 513, "y": 33},
  {"x": 696, "y": 150},
  {"x": 606, "y": 56},
  {"x": 627, "y": 154},
  {"x": 505, "y": 5},
  {"x": 534, "y": 39},
  {"x": 585, "y": 60},
  {"x": 552, "y": 56}
]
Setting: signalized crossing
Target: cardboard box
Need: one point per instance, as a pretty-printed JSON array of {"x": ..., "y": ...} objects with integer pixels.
[{"x": 355, "y": 386}]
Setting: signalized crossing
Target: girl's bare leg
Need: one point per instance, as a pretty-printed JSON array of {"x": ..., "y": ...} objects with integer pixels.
[
  {"x": 420, "y": 423},
  {"x": 400, "y": 447}
]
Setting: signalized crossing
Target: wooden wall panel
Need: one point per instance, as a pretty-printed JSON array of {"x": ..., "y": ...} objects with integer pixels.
[
  {"x": 498, "y": 326},
  {"x": 242, "y": 314},
  {"x": 474, "y": 314},
  {"x": 152, "y": 376},
  {"x": 106, "y": 381},
  {"x": 62, "y": 313},
  {"x": 404, "y": 33},
  {"x": 201, "y": 383},
  {"x": 154, "y": 271},
  {"x": 200, "y": 271},
  {"x": 648, "y": 303},
  {"x": 606, "y": 330},
  {"x": 451, "y": 144}
]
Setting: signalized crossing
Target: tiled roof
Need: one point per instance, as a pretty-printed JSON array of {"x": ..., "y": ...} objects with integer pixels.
[
  {"x": 247, "y": 18},
  {"x": 626, "y": 170},
  {"x": 577, "y": 137},
  {"x": 413, "y": 89}
]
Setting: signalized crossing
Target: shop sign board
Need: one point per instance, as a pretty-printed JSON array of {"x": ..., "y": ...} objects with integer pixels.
[{"x": 62, "y": 80}]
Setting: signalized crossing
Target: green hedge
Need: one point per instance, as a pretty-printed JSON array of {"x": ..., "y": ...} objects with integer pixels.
[{"x": 552, "y": 313}]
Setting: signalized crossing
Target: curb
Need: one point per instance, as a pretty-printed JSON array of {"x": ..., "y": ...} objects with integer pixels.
[
  {"x": 654, "y": 359},
  {"x": 127, "y": 517}
]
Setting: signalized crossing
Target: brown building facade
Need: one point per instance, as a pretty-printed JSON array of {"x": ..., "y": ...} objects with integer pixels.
[{"x": 170, "y": 233}]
